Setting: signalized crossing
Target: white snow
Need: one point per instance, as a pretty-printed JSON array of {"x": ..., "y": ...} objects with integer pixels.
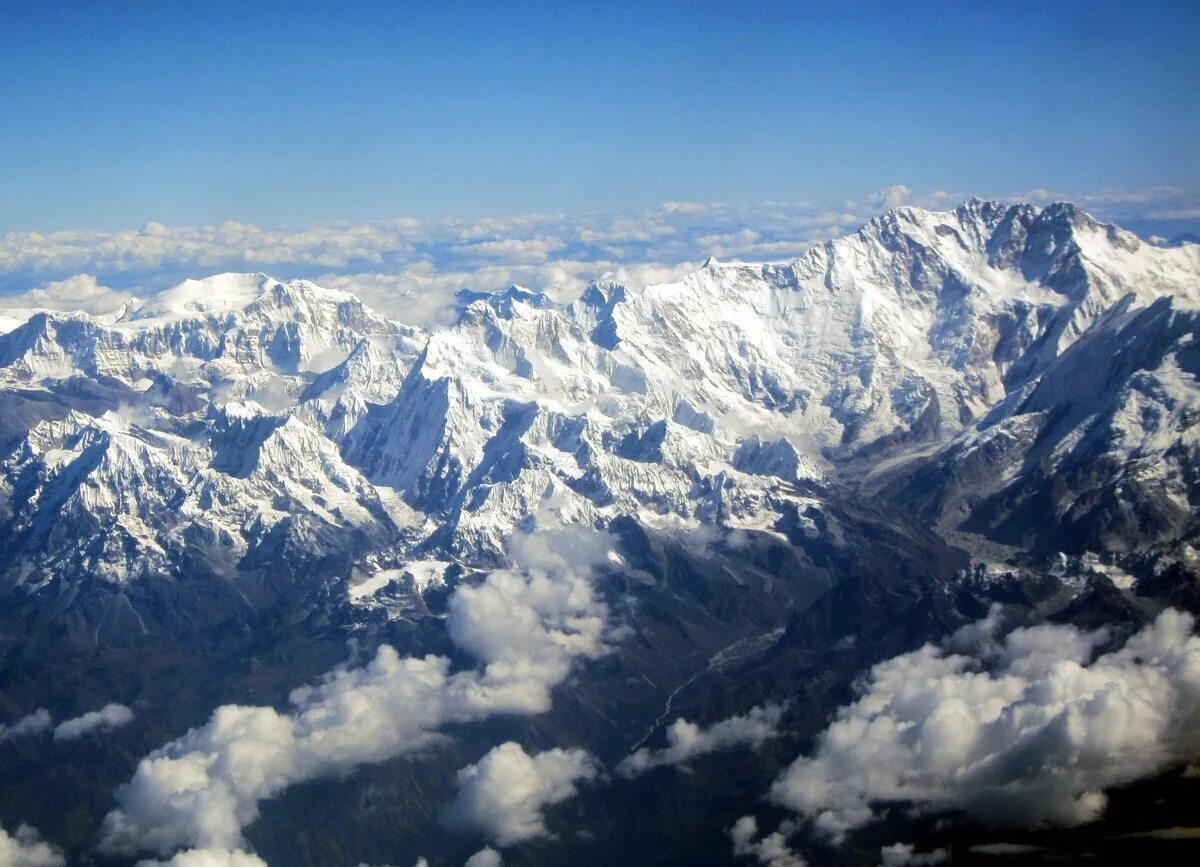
[{"x": 313, "y": 408}]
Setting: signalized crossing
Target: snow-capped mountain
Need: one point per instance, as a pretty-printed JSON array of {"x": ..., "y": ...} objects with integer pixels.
[
  {"x": 241, "y": 412},
  {"x": 807, "y": 466}
]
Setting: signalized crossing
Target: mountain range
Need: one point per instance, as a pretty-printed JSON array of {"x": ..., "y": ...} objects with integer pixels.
[{"x": 220, "y": 493}]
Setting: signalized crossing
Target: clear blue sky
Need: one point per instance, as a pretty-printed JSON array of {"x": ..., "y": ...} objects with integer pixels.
[{"x": 114, "y": 114}]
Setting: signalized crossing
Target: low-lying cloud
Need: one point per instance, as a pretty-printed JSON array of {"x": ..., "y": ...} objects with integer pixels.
[
  {"x": 524, "y": 626},
  {"x": 25, "y": 848},
  {"x": 1028, "y": 730},
  {"x": 110, "y": 716},
  {"x": 770, "y": 850},
  {"x": 35, "y": 723},
  {"x": 504, "y": 793},
  {"x": 686, "y": 740}
]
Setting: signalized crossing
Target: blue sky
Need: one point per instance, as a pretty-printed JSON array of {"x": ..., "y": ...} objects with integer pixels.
[{"x": 113, "y": 115}]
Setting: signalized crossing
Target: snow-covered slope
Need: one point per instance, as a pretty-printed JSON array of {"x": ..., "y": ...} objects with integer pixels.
[
  {"x": 237, "y": 414},
  {"x": 1100, "y": 453}
]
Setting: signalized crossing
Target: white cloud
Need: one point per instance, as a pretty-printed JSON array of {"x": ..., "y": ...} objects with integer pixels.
[
  {"x": 503, "y": 794},
  {"x": 771, "y": 850},
  {"x": 35, "y": 723},
  {"x": 894, "y": 196},
  {"x": 512, "y": 249},
  {"x": 209, "y": 858},
  {"x": 525, "y": 628},
  {"x": 686, "y": 740},
  {"x": 110, "y": 716},
  {"x": 407, "y": 258},
  {"x": 905, "y": 854},
  {"x": 528, "y": 626},
  {"x": 485, "y": 857},
  {"x": 1024, "y": 731},
  {"x": 81, "y": 292},
  {"x": 687, "y": 207},
  {"x": 25, "y": 848}
]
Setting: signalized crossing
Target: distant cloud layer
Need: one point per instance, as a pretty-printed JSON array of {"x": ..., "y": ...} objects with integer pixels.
[{"x": 410, "y": 268}]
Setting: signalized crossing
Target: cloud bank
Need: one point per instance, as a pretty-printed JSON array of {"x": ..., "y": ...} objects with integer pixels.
[
  {"x": 686, "y": 740},
  {"x": 410, "y": 269},
  {"x": 1028, "y": 730},
  {"x": 25, "y": 848},
  {"x": 503, "y": 794},
  {"x": 524, "y": 627}
]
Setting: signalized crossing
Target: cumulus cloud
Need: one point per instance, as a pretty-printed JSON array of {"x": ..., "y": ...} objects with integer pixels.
[
  {"x": 503, "y": 794},
  {"x": 771, "y": 850},
  {"x": 686, "y": 740},
  {"x": 1027, "y": 730},
  {"x": 529, "y": 625},
  {"x": 35, "y": 723},
  {"x": 524, "y": 627},
  {"x": 26, "y": 848},
  {"x": 209, "y": 858},
  {"x": 485, "y": 857},
  {"x": 905, "y": 854},
  {"x": 81, "y": 292},
  {"x": 110, "y": 716},
  {"x": 895, "y": 196}
]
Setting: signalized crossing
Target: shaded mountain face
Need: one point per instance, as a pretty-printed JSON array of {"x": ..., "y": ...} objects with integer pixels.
[{"x": 805, "y": 468}]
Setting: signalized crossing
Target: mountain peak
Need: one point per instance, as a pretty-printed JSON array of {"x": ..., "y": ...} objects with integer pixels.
[
  {"x": 199, "y": 297},
  {"x": 231, "y": 292}
]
